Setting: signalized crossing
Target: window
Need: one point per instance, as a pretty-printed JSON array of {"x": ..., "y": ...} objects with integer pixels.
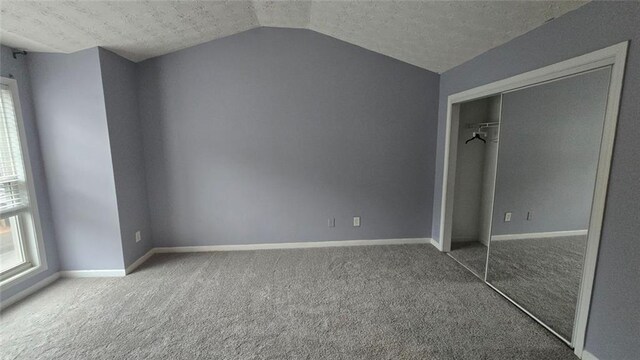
[{"x": 18, "y": 241}]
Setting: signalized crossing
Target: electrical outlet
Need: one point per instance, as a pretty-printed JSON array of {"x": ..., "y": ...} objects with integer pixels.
[
  {"x": 356, "y": 221},
  {"x": 507, "y": 216},
  {"x": 332, "y": 222},
  {"x": 138, "y": 236},
  {"x": 530, "y": 215}
]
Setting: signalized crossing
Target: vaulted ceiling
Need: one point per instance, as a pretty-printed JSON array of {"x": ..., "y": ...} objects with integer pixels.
[{"x": 435, "y": 35}]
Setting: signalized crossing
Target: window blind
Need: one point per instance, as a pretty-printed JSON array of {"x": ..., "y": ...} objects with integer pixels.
[{"x": 13, "y": 189}]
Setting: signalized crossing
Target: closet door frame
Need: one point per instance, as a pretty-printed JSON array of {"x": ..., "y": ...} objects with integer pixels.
[{"x": 614, "y": 56}]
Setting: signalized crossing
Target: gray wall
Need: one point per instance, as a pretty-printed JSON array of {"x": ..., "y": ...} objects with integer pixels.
[
  {"x": 614, "y": 320},
  {"x": 70, "y": 110},
  {"x": 17, "y": 68},
  {"x": 125, "y": 137},
  {"x": 262, "y": 136},
  {"x": 549, "y": 145}
]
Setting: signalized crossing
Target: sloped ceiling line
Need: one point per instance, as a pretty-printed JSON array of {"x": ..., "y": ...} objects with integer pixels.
[{"x": 435, "y": 35}]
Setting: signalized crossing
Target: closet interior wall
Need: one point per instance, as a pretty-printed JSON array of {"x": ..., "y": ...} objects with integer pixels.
[{"x": 475, "y": 172}]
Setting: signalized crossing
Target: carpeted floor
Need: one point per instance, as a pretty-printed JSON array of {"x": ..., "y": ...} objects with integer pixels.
[
  {"x": 376, "y": 302},
  {"x": 473, "y": 254},
  {"x": 543, "y": 275}
]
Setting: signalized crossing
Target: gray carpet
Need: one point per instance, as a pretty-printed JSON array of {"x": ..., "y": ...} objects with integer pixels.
[
  {"x": 543, "y": 275},
  {"x": 473, "y": 254},
  {"x": 377, "y": 302}
]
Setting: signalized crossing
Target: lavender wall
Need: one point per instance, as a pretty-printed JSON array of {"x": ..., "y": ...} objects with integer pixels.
[
  {"x": 614, "y": 322},
  {"x": 87, "y": 109},
  {"x": 17, "y": 69},
  {"x": 69, "y": 107},
  {"x": 549, "y": 148},
  {"x": 125, "y": 139},
  {"x": 262, "y": 136}
]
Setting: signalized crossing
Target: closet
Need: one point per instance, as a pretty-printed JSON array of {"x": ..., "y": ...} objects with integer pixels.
[{"x": 525, "y": 178}]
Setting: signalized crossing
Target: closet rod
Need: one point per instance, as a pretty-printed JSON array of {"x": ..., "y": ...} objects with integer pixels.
[{"x": 483, "y": 125}]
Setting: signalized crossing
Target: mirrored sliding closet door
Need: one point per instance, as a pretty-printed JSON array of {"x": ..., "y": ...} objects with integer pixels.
[{"x": 550, "y": 137}]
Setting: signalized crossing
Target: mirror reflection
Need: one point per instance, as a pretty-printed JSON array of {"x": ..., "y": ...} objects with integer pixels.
[{"x": 546, "y": 169}]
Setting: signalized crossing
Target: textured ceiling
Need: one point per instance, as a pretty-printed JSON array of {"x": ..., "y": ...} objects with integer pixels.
[{"x": 435, "y": 35}]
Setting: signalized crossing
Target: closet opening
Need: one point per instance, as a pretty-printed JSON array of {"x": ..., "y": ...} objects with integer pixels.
[{"x": 476, "y": 158}]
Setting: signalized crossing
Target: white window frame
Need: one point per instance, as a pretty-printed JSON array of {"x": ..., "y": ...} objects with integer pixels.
[{"x": 30, "y": 227}]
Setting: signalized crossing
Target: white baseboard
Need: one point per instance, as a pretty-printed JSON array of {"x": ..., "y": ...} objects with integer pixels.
[
  {"x": 92, "y": 273},
  {"x": 295, "y": 245},
  {"x": 184, "y": 249},
  {"x": 539, "y": 235},
  {"x": 435, "y": 243},
  {"x": 588, "y": 356},
  {"x": 140, "y": 261},
  {"x": 30, "y": 290}
]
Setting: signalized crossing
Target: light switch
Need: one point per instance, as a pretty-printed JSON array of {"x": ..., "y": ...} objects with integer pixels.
[
  {"x": 507, "y": 216},
  {"x": 356, "y": 221},
  {"x": 332, "y": 222}
]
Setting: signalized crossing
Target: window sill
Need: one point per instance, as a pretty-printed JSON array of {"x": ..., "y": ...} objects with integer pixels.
[
  {"x": 22, "y": 276},
  {"x": 15, "y": 270}
]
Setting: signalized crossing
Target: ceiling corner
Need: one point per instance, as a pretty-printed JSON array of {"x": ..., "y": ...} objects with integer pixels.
[{"x": 286, "y": 14}]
